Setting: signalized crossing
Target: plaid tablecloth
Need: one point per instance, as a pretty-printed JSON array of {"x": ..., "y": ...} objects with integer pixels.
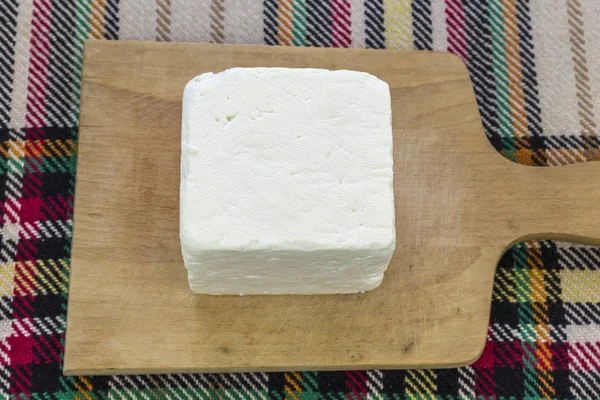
[{"x": 535, "y": 67}]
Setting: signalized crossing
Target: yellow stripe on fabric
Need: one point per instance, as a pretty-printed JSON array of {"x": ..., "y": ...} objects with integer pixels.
[
  {"x": 87, "y": 384},
  {"x": 63, "y": 264},
  {"x": 40, "y": 288},
  {"x": 82, "y": 391},
  {"x": 539, "y": 299},
  {"x": 398, "y": 24},
  {"x": 51, "y": 144},
  {"x": 515, "y": 75},
  {"x": 7, "y": 272},
  {"x": 429, "y": 381},
  {"x": 292, "y": 387},
  {"x": 37, "y": 148},
  {"x": 580, "y": 285},
  {"x": 97, "y": 29},
  {"x": 45, "y": 277},
  {"x": 419, "y": 383},
  {"x": 52, "y": 272},
  {"x": 516, "y": 91},
  {"x": 66, "y": 267},
  {"x": 504, "y": 280},
  {"x": 541, "y": 320},
  {"x": 13, "y": 149},
  {"x": 551, "y": 289},
  {"x": 25, "y": 280},
  {"x": 30, "y": 281},
  {"x": 285, "y": 34},
  {"x": 536, "y": 281}
]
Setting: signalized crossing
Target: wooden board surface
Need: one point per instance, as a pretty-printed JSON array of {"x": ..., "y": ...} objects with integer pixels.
[{"x": 459, "y": 205}]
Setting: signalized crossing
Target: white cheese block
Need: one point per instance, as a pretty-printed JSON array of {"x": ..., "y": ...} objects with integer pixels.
[{"x": 286, "y": 181}]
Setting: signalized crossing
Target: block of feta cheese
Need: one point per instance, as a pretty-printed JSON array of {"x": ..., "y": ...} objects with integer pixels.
[{"x": 286, "y": 181}]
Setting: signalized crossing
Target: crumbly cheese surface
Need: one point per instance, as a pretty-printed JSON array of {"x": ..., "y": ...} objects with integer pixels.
[{"x": 286, "y": 181}]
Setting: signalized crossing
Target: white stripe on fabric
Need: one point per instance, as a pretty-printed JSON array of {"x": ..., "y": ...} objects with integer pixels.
[
  {"x": 137, "y": 19},
  {"x": 591, "y": 11},
  {"x": 556, "y": 80},
  {"x": 244, "y": 27},
  {"x": 357, "y": 21},
  {"x": 190, "y": 21}
]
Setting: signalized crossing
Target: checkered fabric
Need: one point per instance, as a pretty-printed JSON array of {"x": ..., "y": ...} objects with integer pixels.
[{"x": 534, "y": 65}]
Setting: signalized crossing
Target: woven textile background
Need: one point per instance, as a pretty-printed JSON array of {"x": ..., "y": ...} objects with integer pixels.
[{"x": 535, "y": 67}]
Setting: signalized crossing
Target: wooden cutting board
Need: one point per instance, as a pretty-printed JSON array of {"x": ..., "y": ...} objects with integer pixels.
[{"x": 459, "y": 205}]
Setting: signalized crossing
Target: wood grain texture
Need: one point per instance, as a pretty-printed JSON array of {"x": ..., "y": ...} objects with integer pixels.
[{"x": 459, "y": 205}]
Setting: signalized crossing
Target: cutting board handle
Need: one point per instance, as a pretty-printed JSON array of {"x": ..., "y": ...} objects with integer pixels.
[{"x": 565, "y": 201}]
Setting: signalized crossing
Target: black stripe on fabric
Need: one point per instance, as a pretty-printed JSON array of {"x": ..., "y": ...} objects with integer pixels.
[
  {"x": 590, "y": 142},
  {"x": 582, "y": 313},
  {"x": 332, "y": 382},
  {"x": 47, "y": 378},
  {"x": 61, "y": 72},
  {"x": 422, "y": 27},
  {"x": 111, "y": 18},
  {"x": 479, "y": 54},
  {"x": 8, "y": 250},
  {"x": 584, "y": 381},
  {"x": 8, "y": 33},
  {"x": 44, "y": 348},
  {"x": 447, "y": 383},
  {"x": 48, "y": 305},
  {"x": 142, "y": 382},
  {"x": 393, "y": 382},
  {"x": 549, "y": 255},
  {"x": 504, "y": 353},
  {"x": 270, "y": 21},
  {"x": 558, "y": 330},
  {"x": 318, "y": 23},
  {"x": 184, "y": 380},
  {"x": 586, "y": 146},
  {"x": 21, "y": 305},
  {"x": 374, "y": 24},
  {"x": 20, "y": 380},
  {"x": 5, "y": 311},
  {"x": 5, "y": 380},
  {"x": 581, "y": 258},
  {"x": 530, "y": 84}
]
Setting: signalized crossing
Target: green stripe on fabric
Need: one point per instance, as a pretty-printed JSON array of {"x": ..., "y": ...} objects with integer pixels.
[
  {"x": 50, "y": 164},
  {"x": 275, "y": 395},
  {"x": 309, "y": 381},
  {"x": 526, "y": 321},
  {"x": 509, "y": 147},
  {"x": 521, "y": 273},
  {"x": 500, "y": 72},
  {"x": 299, "y": 22},
  {"x": 66, "y": 381},
  {"x": 83, "y": 9},
  {"x": 72, "y": 167},
  {"x": 16, "y": 165},
  {"x": 39, "y": 164}
]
